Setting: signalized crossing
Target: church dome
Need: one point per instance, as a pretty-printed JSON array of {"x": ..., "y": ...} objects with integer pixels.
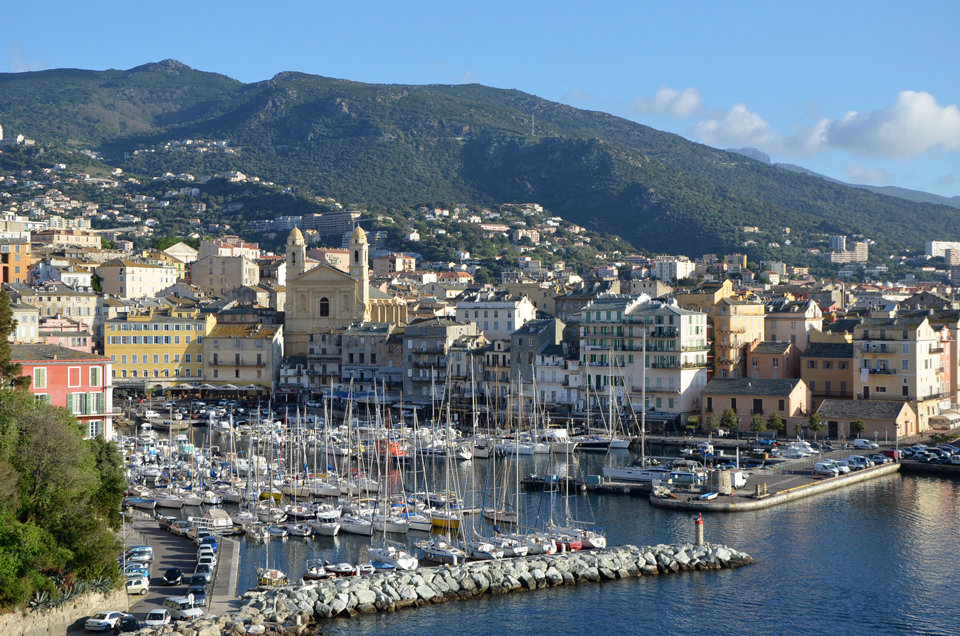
[
  {"x": 296, "y": 237},
  {"x": 358, "y": 236}
]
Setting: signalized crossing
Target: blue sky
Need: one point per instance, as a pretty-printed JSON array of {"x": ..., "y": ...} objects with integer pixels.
[{"x": 859, "y": 91}]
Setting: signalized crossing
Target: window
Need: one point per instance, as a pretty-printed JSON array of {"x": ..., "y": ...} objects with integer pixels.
[
  {"x": 40, "y": 378},
  {"x": 166, "y": 358},
  {"x": 883, "y": 389},
  {"x": 776, "y": 363},
  {"x": 827, "y": 364},
  {"x": 156, "y": 358},
  {"x": 843, "y": 364},
  {"x": 905, "y": 365},
  {"x": 94, "y": 376},
  {"x": 733, "y": 404},
  {"x": 186, "y": 357},
  {"x": 781, "y": 405},
  {"x": 811, "y": 364},
  {"x": 324, "y": 307}
]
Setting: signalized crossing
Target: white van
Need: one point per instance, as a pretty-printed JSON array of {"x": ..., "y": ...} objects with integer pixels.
[
  {"x": 149, "y": 414},
  {"x": 865, "y": 444},
  {"x": 825, "y": 470},
  {"x": 182, "y": 608}
]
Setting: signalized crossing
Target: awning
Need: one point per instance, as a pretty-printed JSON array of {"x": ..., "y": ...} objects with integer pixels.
[{"x": 228, "y": 387}]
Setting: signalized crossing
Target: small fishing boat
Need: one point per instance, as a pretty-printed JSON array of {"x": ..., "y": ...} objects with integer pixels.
[
  {"x": 341, "y": 569},
  {"x": 257, "y": 532},
  {"x": 439, "y": 551},
  {"x": 270, "y": 577},
  {"x": 278, "y": 532},
  {"x": 142, "y": 503},
  {"x": 317, "y": 571},
  {"x": 708, "y": 496}
]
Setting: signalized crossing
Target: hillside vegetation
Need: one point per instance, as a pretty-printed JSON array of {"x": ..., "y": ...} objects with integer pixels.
[{"x": 394, "y": 146}]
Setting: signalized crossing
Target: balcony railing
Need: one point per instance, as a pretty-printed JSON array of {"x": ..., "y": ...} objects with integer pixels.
[
  {"x": 238, "y": 364},
  {"x": 657, "y": 389},
  {"x": 937, "y": 349},
  {"x": 883, "y": 371}
]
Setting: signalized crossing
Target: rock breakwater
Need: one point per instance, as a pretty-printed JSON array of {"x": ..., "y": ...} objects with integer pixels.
[{"x": 296, "y": 609}]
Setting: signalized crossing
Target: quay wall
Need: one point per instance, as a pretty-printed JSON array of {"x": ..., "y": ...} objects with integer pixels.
[
  {"x": 29, "y": 623},
  {"x": 917, "y": 468},
  {"x": 807, "y": 490}
]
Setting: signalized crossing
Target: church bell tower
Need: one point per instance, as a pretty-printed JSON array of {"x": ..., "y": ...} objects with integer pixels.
[{"x": 359, "y": 269}]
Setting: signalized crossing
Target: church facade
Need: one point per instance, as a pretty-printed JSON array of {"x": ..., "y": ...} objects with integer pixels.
[{"x": 324, "y": 297}]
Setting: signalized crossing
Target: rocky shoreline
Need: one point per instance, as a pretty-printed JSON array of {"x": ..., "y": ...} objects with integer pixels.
[{"x": 298, "y": 609}]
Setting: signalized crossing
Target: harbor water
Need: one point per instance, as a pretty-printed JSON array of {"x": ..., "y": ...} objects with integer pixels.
[{"x": 876, "y": 558}]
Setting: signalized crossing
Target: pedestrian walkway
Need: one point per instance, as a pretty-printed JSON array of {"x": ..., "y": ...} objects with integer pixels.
[{"x": 225, "y": 588}]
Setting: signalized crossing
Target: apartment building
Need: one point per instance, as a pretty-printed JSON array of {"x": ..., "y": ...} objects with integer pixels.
[
  {"x": 496, "y": 314},
  {"x": 217, "y": 275},
  {"x": 324, "y": 357},
  {"x": 749, "y": 397},
  {"x": 62, "y": 238},
  {"x": 156, "y": 347},
  {"x": 425, "y": 347},
  {"x": 792, "y": 321},
  {"x": 390, "y": 264},
  {"x": 14, "y": 260},
  {"x": 132, "y": 279},
  {"x": 736, "y": 323},
  {"x": 246, "y": 356},
  {"x": 644, "y": 347},
  {"x": 900, "y": 358},
  {"x": 372, "y": 357},
  {"x": 772, "y": 360},
  {"x": 77, "y": 381},
  {"x": 827, "y": 368},
  {"x": 28, "y": 319}
]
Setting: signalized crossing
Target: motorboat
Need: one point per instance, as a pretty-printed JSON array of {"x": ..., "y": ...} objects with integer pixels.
[
  {"x": 708, "y": 496},
  {"x": 317, "y": 571},
  {"x": 257, "y": 531},
  {"x": 325, "y": 528},
  {"x": 341, "y": 569},
  {"x": 278, "y": 532},
  {"x": 270, "y": 577},
  {"x": 298, "y": 512},
  {"x": 211, "y": 498},
  {"x": 439, "y": 551},
  {"x": 356, "y": 525},
  {"x": 299, "y": 529},
  {"x": 636, "y": 474},
  {"x": 393, "y": 554},
  {"x": 446, "y": 520},
  {"x": 142, "y": 503}
]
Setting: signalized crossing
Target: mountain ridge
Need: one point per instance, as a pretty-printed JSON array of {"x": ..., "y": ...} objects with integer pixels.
[{"x": 395, "y": 146}]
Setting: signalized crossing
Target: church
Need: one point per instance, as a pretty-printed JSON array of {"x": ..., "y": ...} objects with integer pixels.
[{"x": 320, "y": 296}]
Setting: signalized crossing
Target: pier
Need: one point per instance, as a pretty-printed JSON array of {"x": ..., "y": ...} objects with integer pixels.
[{"x": 788, "y": 488}]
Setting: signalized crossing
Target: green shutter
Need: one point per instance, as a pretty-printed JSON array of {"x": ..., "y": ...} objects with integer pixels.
[{"x": 70, "y": 402}]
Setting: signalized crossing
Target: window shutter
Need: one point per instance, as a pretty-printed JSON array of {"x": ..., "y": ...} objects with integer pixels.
[{"x": 70, "y": 402}]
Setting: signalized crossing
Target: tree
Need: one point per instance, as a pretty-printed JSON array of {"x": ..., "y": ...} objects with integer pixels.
[
  {"x": 11, "y": 374},
  {"x": 857, "y": 426},
  {"x": 757, "y": 425},
  {"x": 729, "y": 420},
  {"x": 711, "y": 424},
  {"x": 815, "y": 424},
  {"x": 775, "y": 423}
]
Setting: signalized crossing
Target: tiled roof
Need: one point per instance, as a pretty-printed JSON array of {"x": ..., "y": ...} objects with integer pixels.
[
  {"x": 778, "y": 348},
  {"x": 34, "y": 352},
  {"x": 864, "y": 409},
  {"x": 829, "y": 350}
]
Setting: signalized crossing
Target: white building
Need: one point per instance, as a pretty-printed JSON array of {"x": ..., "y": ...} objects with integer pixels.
[{"x": 496, "y": 315}]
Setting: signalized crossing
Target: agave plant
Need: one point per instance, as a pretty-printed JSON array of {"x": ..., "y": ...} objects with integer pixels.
[
  {"x": 40, "y": 601},
  {"x": 101, "y": 584}
]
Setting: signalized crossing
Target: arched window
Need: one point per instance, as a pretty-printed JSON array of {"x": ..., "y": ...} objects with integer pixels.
[
  {"x": 294, "y": 257},
  {"x": 324, "y": 307},
  {"x": 356, "y": 256}
]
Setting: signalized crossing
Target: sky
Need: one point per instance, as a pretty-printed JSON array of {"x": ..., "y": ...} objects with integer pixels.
[{"x": 858, "y": 91}]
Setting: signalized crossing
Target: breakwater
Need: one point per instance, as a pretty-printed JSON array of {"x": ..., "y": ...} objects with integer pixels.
[{"x": 389, "y": 592}]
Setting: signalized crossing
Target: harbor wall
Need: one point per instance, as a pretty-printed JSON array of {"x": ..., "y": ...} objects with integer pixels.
[
  {"x": 917, "y": 468},
  {"x": 807, "y": 490},
  {"x": 60, "y": 620}
]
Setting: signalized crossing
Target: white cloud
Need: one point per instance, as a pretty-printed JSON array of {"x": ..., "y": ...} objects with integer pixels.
[
  {"x": 576, "y": 95},
  {"x": 739, "y": 127},
  {"x": 860, "y": 173},
  {"x": 913, "y": 124},
  {"x": 669, "y": 101}
]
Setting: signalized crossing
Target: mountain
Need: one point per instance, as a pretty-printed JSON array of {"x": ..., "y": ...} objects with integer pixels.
[
  {"x": 917, "y": 196},
  {"x": 396, "y": 146}
]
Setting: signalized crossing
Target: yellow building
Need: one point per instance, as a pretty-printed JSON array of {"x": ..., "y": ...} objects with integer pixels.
[
  {"x": 157, "y": 348},
  {"x": 736, "y": 324}
]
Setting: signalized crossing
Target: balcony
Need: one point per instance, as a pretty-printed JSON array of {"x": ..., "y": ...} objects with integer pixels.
[
  {"x": 427, "y": 364},
  {"x": 664, "y": 332},
  {"x": 883, "y": 371},
  {"x": 657, "y": 389},
  {"x": 937, "y": 349},
  {"x": 259, "y": 365},
  {"x": 937, "y": 396},
  {"x": 876, "y": 349},
  {"x": 703, "y": 347}
]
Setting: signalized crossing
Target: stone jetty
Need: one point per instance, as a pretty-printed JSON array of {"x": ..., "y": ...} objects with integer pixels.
[{"x": 298, "y": 609}]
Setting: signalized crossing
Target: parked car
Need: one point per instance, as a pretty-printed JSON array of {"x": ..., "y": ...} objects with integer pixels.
[
  {"x": 127, "y": 625},
  {"x": 198, "y": 535},
  {"x": 103, "y": 621},
  {"x": 210, "y": 541},
  {"x": 182, "y": 608},
  {"x": 149, "y": 414},
  {"x": 205, "y": 550},
  {"x": 865, "y": 444},
  {"x": 852, "y": 464},
  {"x": 955, "y": 459},
  {"x": 173, "y": 576},
  {"x": 157, "y": 618},
  {"x": 136, "y": 569},
  {"x": 180, "y": 528},
  {"x": 313, "y": 404},
  {"x": 842, "y": 469},
  {"x": 207, "y": 559},
  {"x": 892, "y": 453},
  {"x": 199, "y": 593},
  {"x": 139, "y": 585},
  {"x": 205, "y": 571},
  {"x": 879, "y": 458}
]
